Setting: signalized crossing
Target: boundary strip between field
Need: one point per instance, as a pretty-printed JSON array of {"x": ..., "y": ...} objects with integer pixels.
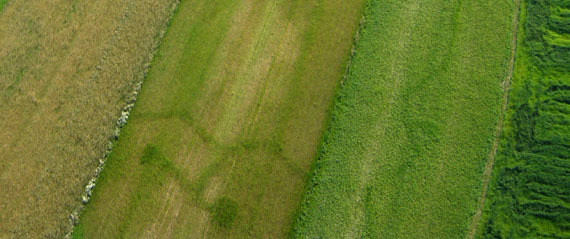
[
  {"x": 506, "y": 88},
  {"x": 122, "y": 120}
]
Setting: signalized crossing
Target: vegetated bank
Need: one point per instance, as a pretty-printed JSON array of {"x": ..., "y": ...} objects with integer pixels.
[
  {"x": 530, "y": 187},
  {"x": 67, "y": 69},
  {"x": 413, "y": 124},
  {"x": 227, "y": 124}
]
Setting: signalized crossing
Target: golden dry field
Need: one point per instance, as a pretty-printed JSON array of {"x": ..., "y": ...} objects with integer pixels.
[{"x": 67, "y": 68}]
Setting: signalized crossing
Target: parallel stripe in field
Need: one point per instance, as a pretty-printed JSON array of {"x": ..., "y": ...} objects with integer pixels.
[
  {"x": 238, "y": 22},
  {"x": 396, "y": 76}
]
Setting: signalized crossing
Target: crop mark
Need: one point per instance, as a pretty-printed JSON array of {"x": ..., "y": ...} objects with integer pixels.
[
  {"x": 284, "y": 53},
  {"x": 240, "y": 21},
  {"x": 242, "y": 92},
  {"x": 169, "y": 196},
  {"x": 499, "y": 129}
]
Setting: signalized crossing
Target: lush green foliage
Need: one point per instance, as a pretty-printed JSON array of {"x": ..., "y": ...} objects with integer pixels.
[
  {"x": 2, "y": 2},
  {"x": 531, "y": 184},
  {"x": 413, "y": 124}
]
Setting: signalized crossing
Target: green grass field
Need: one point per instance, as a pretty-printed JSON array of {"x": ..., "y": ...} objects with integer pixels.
[
  {"x": 413, "y": 124},
  {"x": 2, "y": 2},
  {"x": 228, "y": 121},
  {"x": 529, "y": 193}
]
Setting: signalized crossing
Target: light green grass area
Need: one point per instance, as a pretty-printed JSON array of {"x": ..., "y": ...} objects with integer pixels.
[
  {"x": 413, "y": 124},
  {"x": 228, "y": 121},
  {"x": 2, "y": 3}
]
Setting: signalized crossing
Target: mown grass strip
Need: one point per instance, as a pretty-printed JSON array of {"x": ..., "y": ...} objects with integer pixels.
[
  {"x": 528, "y": 194},
  {"x": 236, "y": 100},
  {"x": 413, "y": 124}
]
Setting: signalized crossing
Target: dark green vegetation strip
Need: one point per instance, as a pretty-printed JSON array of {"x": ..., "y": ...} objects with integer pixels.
[
  {"x": 413, "y": 124},
  {"x": 227, "y": 123},
  {"x": 530, "y": 188}
]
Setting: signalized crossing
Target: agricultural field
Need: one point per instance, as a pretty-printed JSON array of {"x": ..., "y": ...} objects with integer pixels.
[
  {"x": 228, "y": 121},
  {"x": 66, "y": 70},
  {"x": 529, "y": 192},
  {"x": 414, "y": 123},
  {"x": 285, "y": 119}
]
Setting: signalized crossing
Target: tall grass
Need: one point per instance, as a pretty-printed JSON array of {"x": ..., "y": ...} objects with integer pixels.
[
  {"x": 530, "y": 187},
  {"x": 413, "y": 124}
]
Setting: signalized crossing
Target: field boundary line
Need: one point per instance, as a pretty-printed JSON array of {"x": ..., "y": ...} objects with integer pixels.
[
  {"x": 75, "y": 215},
  {"x": 506, "y": 88}
]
